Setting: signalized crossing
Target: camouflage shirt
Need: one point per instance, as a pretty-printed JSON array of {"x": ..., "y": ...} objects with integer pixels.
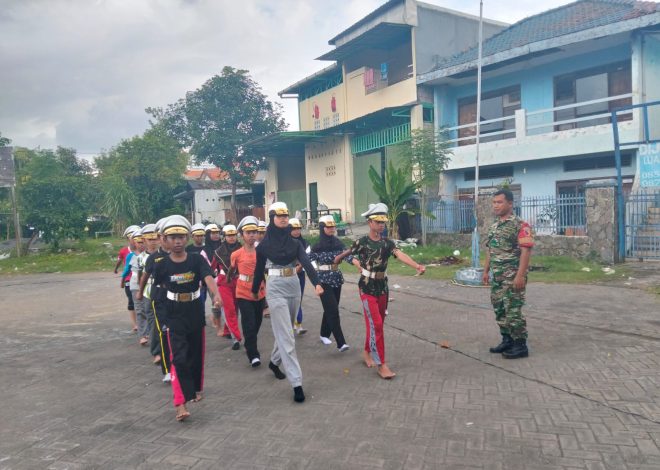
[
  {"x": 373, "y": 256},
  {"x": 505, "y": 238}
]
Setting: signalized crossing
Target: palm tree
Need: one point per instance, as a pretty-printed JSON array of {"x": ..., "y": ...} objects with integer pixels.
[
  {"x": 119, "y": 202},
  {"x": 394, "y": 190}
]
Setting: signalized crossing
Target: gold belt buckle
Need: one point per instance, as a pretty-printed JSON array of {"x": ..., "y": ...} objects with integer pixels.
[
  {"x": 185, "y": 297},
  {"x": 287, "y": 272}
]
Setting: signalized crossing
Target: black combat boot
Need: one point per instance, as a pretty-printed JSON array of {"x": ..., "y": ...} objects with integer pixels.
[
  {"x": 505, "y": 345},
  {"x": 519, "y": 349}
]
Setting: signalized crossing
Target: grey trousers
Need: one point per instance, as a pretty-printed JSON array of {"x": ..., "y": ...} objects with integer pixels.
[
  {"x": 283, "y": 296},
  {"x": 145, "y": 317}
]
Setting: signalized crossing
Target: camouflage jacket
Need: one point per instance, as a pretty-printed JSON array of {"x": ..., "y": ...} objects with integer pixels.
[{"x": 505, "y": 238}]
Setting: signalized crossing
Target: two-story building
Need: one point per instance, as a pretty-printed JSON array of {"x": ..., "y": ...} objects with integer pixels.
[
  {"x": 550, "y": 82},
  {"x": 355, "y": 111}
]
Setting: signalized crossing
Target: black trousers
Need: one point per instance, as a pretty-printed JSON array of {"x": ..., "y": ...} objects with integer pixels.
[
  {"x": 330, "y": 324},
  {"x": 185, "y": 331},
  {"x": 159, "y": 342},
  {"x": 251, "y": 317}
]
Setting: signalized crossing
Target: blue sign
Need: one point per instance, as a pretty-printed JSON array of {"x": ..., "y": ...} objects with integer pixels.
[{"x": 649, "y": 165}]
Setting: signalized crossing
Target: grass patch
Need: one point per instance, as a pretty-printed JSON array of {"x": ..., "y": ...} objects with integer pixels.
[
  {"x": 101, "y": 254},
  {"x": 72, "y": 257}
]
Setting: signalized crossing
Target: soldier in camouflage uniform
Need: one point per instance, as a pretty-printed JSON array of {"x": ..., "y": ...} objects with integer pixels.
[{"x": 509, "y": 248}]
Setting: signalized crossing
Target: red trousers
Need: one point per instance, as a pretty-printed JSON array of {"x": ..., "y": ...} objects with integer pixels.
[
  {"x": 230, "y": 306},
  {"x": 374, "y": 317}
]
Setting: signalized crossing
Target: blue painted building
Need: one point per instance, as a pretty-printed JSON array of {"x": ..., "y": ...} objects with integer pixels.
[{"x": 549, "y": 83}]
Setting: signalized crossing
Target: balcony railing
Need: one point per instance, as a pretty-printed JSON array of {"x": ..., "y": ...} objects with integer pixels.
[{"x": 543, "y": 121}]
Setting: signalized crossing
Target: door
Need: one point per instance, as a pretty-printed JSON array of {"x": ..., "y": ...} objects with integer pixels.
[
  {"x": 313, "y": 201},
  {"x": 364, "y": 193}
]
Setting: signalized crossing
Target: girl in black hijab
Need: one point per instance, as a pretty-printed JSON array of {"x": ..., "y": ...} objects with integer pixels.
[
  {"x": 323, "y": 255},
  {"x": 277, "y": 255}
]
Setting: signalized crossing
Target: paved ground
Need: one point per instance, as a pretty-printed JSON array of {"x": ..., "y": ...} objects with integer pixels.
[{"x": 78, "y": 392}]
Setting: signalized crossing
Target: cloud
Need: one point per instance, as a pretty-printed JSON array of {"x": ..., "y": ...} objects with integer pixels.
[{"x": 81, "y": 73}]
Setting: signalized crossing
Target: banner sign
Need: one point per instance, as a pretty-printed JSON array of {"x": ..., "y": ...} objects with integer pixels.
[{"x": 649, "y": 165}]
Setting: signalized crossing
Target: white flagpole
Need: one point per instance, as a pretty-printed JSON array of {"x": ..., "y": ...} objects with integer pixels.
[{"x": 475, "y": 234}]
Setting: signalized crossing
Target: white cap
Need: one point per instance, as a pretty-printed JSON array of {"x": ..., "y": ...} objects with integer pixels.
[
  {"x": 262, "y": 226},
  {"x": 212, "y": 228},
  {"x": 149, "y": 232},
  {"x": 198, "y": 229},
  {"x": 279, "y": 208},
  {"x": 229, "y": 229},
  {"x": 130, "y": 229},
  {"x": 159, "y": 224},
  {"x": 377, "y": 212},
  {"x": 176, "y": 225},
  {"x": 327, "y": 220},
  {"x": 249, "y": 222},
  {"x": 295, "y": 223}
]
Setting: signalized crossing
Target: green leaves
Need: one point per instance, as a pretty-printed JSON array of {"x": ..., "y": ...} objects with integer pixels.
[{"x": 395, "y": 189}]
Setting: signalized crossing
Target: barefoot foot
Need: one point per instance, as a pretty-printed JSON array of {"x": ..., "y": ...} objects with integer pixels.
[
  {"x": 369, "y": 362},
  {"x": 385, "y": 372},
  {"x": 182, "y": 413}
]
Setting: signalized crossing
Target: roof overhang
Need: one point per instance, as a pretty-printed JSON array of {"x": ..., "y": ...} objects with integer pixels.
[
  {"x": 436, "y": 77},
  {"x": 381, "y": 36},
  {"x": 319, "y": 76},
  {"x": 283, "y": 143},
  {"x": 363, "y": 21}
]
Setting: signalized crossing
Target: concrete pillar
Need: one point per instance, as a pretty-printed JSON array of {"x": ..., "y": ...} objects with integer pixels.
[{"x": 601, "y": 218}]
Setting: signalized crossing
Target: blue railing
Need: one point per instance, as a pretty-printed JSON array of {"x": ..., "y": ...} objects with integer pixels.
[
  {"x": 548, "y": 215},
  {"x": 643, "y": 224}
]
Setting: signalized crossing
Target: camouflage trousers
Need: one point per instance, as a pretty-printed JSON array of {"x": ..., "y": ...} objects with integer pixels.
[{"x": 508, "y": 304}]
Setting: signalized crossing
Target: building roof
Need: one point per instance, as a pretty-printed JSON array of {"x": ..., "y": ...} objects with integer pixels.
[
  {"x": 575, "y": 17},
  {"x": 209, "y": 174},
  {"x": 319, "y": 76}
]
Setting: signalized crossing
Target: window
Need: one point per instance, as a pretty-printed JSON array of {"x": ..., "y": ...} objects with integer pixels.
[
  {"x": 494, "y": 105},
  {"x": 427, "y": 114},
  {"x": 590, "y": 85},
  {"x": 490, "y": 172},
  {"x": 595, "y": 163}
]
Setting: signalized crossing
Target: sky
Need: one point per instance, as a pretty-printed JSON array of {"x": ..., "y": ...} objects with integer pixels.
[{"x": 80, "y": 73}]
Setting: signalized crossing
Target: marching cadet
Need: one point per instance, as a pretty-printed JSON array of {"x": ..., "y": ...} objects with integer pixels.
[
  {"x": 261, "y": 232},
  {"x": 121, "y": 261},
  {"x": 296, "y": 232},
  {"x": 226, "y": 281},
  {"x": 244, "y": 261},
  {"x": 509, "y": 247},
  {"x": 151, "y": 240},
  {"x": 323, "y": 256},
  {"x": 277, "y": 255},
  {"x": 134, "y": 265},
  {"x": 198, "y": 234},
  {"x": 371, "y": 254},
  {"x": 211, "y": 243},
  {"x": 180, "y": 274}
]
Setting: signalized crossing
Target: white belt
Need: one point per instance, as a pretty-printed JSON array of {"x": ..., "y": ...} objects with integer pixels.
[
  {"x": 374, "y": 275},
  {"x": 222, "y": 271},
  {"x": 244, "y": 277},
  {"x": 328, "y": 267},
  {"x": 183, "y": 296},
  {"x": 283, "y": 272}
]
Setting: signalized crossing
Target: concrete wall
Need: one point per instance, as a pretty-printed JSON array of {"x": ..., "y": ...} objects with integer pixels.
[
  {"x": 441, "y": 34},
  {"x": 330, "y": 165},
  {"x": 324, "y": 101},
  {"x": 359, "y": 103},
  {"x": 650, "y": 79},
  {"x": 208, "y": 206}
]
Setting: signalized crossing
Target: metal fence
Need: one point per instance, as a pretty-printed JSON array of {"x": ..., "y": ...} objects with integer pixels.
[
  {"x": 548, "y": 215},
  {"x": 643, "y": 224}
]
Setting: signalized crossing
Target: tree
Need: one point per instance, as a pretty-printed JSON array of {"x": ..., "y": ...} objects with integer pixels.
[
  {"x": 55, "y": 193},
  {"x": 216, "y": 120},
  {"x": 426, "y": 156},
  {"x": 4, "y": 141},
  {"x": 139, "y": 176},
  {"x": 394, "y": 189}
]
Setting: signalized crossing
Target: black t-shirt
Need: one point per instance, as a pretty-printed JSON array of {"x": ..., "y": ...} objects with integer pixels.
[
  {"x": 182, "y": 277},
  {"x": 194, "y": 249},
  {"x": 155, "y": 257}
]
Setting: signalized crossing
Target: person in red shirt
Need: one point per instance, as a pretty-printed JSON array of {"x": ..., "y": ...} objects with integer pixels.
[
  {"x": 121, "y": 261},
  {"x": 243, "y": 261}
]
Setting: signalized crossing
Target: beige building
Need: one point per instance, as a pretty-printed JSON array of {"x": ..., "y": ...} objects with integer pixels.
[{"x": 354, "y": 112}]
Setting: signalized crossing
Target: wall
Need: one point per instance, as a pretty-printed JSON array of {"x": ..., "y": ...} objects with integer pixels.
[
  {"x": 359, "y": 104},
  {"x": 208, "y": 206},
  {"x": 324, "y": 101},
  {"x": 651, "y": 84},
  {"x": 329, "y": 164},
  {"x": 441, "y": 34}
]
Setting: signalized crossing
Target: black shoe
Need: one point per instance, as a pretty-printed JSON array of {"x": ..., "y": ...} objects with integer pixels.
[
  {"x": 519, "y": 349},
  {"x": 276, "y": 370},
  {"x": 505, "y": 345},
  {"x": 256, "y": 362},
  {"x": 298, "y": 395},
  {"x": 236, "y": 346}
]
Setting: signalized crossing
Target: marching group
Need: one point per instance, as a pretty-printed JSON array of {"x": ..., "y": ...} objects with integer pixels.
[{"x": 167, "y": 281}]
